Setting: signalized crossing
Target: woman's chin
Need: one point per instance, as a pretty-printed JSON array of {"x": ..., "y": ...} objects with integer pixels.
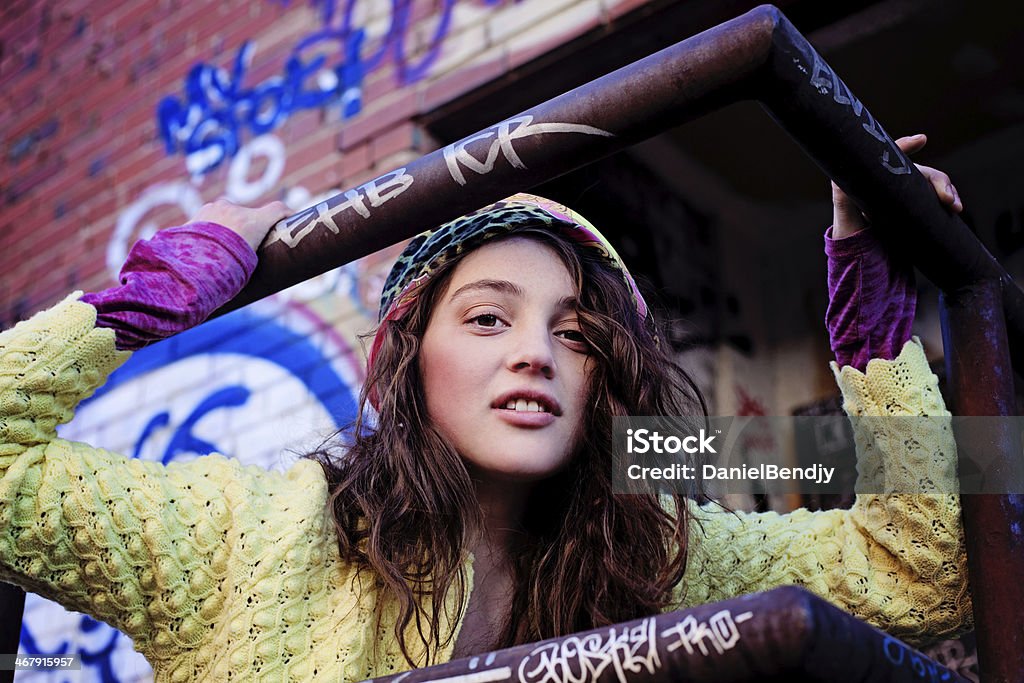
[{"x": 513, "y": 471}]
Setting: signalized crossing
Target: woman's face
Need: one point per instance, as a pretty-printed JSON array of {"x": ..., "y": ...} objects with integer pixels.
[{"x": 505, "y": 369}]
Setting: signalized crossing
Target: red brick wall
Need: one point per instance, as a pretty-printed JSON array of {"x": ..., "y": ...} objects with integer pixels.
[{"x": 82, "y": 83}]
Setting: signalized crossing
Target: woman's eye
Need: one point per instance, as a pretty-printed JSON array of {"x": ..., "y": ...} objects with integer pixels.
[
  {"x": 573, "y": 335},
  {"x": 486, "y": 320}
]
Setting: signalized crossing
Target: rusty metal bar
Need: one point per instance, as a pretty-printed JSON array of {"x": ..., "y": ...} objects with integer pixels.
[
  {"x": 981, "y": 379},
  {"x": 787, "y": 634},
  {"x": 758, "y": 55},
  {"x": 700, "y": 74}
]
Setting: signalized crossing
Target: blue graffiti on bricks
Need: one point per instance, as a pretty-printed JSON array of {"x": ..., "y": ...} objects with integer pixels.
[
  {"x": 25, "y": 144},
  {"x": 338, "y": 28},
  {"x": 96, "y": 658},
  {"x": 184, "y": 440},
  {"x": 216, "y": 111}
]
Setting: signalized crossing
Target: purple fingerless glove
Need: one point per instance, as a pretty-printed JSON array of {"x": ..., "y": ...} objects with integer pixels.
[
  {"x": 173, "y": 282},
  {"x": 872, "y": 300}
]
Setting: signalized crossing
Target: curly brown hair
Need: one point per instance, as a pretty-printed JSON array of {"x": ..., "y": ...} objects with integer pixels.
[{"x": 593, "y": 558}]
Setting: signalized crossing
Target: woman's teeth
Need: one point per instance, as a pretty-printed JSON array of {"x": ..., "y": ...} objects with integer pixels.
[{"x": 524, "y": 405}]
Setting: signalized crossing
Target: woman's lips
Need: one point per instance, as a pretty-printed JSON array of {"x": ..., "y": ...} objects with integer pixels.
[
  {"x": 523, "y": 418},
  {"x": 526, "y": 399}
]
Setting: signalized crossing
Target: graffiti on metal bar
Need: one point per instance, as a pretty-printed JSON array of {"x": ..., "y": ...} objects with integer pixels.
[
  {"x": 901, "y": 655},
  {"x": 631, "y": 650},
  {"x": 720, "y": 631},
  {"x": 577, "y": 659},
  {"x": 456, "y": 155},
  {"x": 826, "y": 81},
  {"x": 367, "y": 196},
  {"x": 209, "y": 120},
  {"x": 619, "y": 651},
  {"x": 380, "y": 190}
]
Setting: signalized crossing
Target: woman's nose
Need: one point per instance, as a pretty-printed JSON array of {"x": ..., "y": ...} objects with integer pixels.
[{"x": 532, "y": 351}]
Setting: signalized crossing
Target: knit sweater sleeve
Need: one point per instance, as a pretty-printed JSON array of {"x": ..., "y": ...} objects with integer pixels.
[
  {"x": 161, "y": 553},
  {"x": 896, "y": 561}
]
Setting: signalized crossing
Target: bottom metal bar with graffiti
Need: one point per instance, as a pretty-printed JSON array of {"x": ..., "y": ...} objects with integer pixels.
[{"x": 784, "y": 634}]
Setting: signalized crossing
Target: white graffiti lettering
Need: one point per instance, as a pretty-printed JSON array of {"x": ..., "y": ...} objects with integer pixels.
[
  {"x": 456, "y": 155},
  {"x": 342, "y": 280},
  {"x": 387, "y": 187},
  {"x": 720, "y": 631},
  {"x": 578, "y": 659},
  {"x": 244, "y": 191},
  {"x": 377, "y": 192},
  {"x": 825, "y": 81},
  {"x": 291, "y": 230}
]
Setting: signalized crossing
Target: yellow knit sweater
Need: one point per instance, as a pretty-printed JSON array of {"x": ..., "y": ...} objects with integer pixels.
[{"x": 223, "y": 572}]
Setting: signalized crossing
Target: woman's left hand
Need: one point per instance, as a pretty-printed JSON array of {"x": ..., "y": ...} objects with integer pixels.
[{"x": 847, "y": 219}]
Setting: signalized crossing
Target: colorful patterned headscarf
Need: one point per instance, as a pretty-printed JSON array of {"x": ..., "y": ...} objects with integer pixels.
[{"x": 430, "y": 250}]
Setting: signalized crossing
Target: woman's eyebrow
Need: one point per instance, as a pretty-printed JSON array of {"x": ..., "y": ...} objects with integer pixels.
[
  {"x": 568, "y": 303},
  {"x": 502, "y": 286}
]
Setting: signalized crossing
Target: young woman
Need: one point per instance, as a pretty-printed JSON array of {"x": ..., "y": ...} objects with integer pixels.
[{"x": 474, "y": 510}]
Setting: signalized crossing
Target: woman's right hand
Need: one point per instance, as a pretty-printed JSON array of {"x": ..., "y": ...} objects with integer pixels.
[{"x": 252, "y": 224}]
